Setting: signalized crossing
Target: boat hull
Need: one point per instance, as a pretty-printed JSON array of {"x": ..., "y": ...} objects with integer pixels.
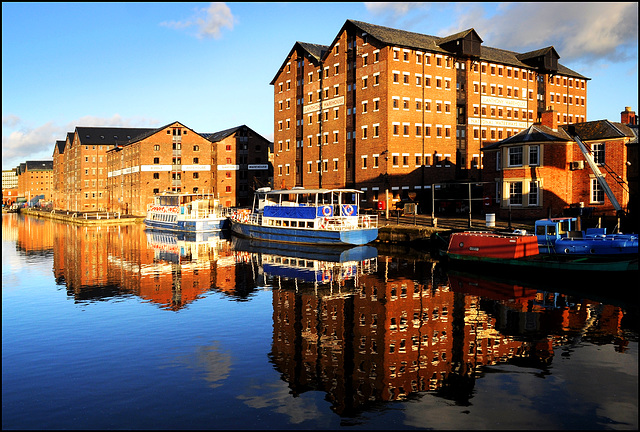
[
  {"x": 309, "y": 236},
  {"x": 509, "y": 255}
]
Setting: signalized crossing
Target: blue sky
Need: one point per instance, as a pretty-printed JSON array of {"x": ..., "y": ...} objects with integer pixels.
[{"x": 209, "y": 65}]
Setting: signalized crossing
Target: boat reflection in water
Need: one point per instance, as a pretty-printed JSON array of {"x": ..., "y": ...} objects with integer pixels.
[
  {"x": 184, "y": 248},
  {"x": 303, "y": 266}
]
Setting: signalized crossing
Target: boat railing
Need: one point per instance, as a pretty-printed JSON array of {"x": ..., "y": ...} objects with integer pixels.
[{"x": 340, "y": 223}]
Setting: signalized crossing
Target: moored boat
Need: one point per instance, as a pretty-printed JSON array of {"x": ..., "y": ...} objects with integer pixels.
[
  {"x": 313, "y": 216},
  {"x": 559, "y": 236},
  {"x": 520, "y": 254},
  {"x": 186, "y": 213}
]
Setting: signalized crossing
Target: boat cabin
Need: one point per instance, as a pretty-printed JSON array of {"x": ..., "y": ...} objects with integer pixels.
[
  {"x": 549, "y": 230},
  {"x": 307, "y": 208}
]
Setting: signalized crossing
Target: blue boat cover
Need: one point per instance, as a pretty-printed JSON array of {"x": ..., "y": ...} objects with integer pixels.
[{"x": 292, "y": 212}]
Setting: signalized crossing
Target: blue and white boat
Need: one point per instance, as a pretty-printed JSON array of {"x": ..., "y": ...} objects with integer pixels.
[
  {"x": 559, "y": 236},
  {"x": 314, "y": 216},
  {"x": 191, "y": 213}
]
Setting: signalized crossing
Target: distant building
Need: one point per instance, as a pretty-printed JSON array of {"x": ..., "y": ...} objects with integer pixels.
[
  {"x": 174, "y": 158},
  {"x": 242, "y": 164},
  {"x": 9, "y": 186},
  {"x": 81, "y": 166},
  {"x": 35, "y": 178}
]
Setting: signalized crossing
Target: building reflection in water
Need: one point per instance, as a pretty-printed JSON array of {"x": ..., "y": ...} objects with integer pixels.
[
  {"x": 403, "y": 330},
  {"x": 166, "y": 269},
  {"x": 360, "y": 327}
]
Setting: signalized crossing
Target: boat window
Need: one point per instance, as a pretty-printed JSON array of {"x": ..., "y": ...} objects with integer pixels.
[
  {"x": 309, "y": 224},
  {"x": 565, "y": 226},
  {"x": 540, "y": 230},
  {"x": 294, "y": 224},
  {"x": 278, "y": 223},
  {"x": 285, "y": 223}
]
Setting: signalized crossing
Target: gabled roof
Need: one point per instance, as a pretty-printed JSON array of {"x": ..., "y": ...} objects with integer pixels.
[
  {"x": 149, "y": 132},
  {"x": 600, "y": 129},
  {"x": 537, "y": 53},
  {"x": 107, "y": 135},
  {"x": 38, "y": 166},
  {"x": 588, "y": 131},
  {"x": 219, "y": 136},
  {"x": 60, "y": 145},
  {"x": 403, "y": 38},
  {"x": 534, "y": 133},
  {"x": 459, "y": 35},
  {"x": 311, "y": 51}
]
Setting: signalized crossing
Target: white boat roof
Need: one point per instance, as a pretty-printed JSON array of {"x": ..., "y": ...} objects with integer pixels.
[{"x": 309, "y": 191}]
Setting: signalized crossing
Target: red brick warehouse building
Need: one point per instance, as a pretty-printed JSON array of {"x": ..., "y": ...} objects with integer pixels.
[
  {"x": 381, "y": 109},
  {"x": 175, "y": 158}
]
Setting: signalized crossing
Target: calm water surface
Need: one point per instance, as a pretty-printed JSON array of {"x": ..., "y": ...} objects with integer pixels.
[{"x": 119, "y": 328}]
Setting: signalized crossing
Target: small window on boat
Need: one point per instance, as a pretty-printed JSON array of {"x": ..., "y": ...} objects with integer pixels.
[
  {"x": 309, "y": 224},
  {"x": 294, "y": 224},
  {"x": 285, "y": 223},
  {"x": 278, "y": 223}
]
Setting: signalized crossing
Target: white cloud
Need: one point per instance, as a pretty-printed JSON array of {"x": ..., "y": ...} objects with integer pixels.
[
  {"x": 22, "y": 142},
  {"x": 585, "y": 32},
  {"x": 209, "y": 22}
]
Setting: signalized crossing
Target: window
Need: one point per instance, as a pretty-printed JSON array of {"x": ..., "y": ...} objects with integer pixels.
[
  {"x": 534, "y": 155},
  {"x": 515, "y": 156},
  {"x": 597, "y": 151},
  {"x": 156, "y": 147},
  {"x": 156, "y": 176},
  {"x": 515, "y": 193},
  {"x": 533, "y": 193},
  {"x": 156, "y": 160},
  {"x": 597, "y": 193}
]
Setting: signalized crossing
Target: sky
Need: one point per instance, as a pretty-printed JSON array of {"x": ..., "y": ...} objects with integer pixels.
[{"x": 209, "y": 65}]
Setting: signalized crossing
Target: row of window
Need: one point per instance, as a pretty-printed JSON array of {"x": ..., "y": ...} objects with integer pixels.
[
  {"x": 437, "y": 160},
  {"x": 528, "y": 193},
  {"x": 290, "y": 223}
]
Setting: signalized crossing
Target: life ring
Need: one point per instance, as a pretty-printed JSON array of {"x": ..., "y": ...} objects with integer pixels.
[
  {"x": 348, "y": 209},
  {"x": 326, "y": 276},
  {"x": 326, "y": 211}
]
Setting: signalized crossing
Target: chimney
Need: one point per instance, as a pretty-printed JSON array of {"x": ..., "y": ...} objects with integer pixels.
[
  {"x": 549, "y": 119},
  {"x": 628, "y": 117}
]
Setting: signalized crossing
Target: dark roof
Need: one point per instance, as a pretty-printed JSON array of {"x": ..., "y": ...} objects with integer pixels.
[
  {"x": 534, "y": 133},
  {"x": 588, "y": 131},
  {"x": 150, "y": 132},
  {"x": 38, "y": 165},
  {"x": 60, "y": 145},
  {"x": 219, "y": 136},
  {"x": 108, "y": 135},
  {"x": 408, "y": 39},
  {"x": 314, "y": 52},
  {"x": 459, "y": 35},
  {"x": 600, "y": 129}
]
